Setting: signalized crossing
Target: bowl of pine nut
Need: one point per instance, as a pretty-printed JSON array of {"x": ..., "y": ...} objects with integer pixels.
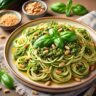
[{"x": 34, "y": 9}]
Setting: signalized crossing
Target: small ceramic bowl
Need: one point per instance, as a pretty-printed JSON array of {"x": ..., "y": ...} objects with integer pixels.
[
  {"x": 2, "y": 12},
  {"x": 31, "y": 16}
]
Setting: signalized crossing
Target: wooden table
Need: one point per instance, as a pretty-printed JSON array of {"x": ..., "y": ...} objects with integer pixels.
[{"x": 90, "y": 4}]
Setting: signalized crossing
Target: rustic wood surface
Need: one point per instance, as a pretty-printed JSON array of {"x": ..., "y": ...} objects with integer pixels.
[{"x": 90, "y": 4}]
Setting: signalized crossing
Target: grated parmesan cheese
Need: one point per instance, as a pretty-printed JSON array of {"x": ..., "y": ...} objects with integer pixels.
[{"x": 9, "y": 19}]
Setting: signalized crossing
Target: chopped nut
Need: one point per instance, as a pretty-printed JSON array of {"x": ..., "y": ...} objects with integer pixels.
[
  {"x": 35, "y": 34},
  {"x": 48, "y": 83},
  {"x": 6, "y": 90},
  {"x": 53, "y": 46},
  {"x": 81, "y": 43},
  {"x": 26, "y": 46},
  {"x": 58, "y": 72},
  {"x": 77, "y": 79},
  {"x": 45, "y": 32},
  {"x": 22, "y": 66},
  {"x": 42, "y": 10},
  {"x": 92, "y": 67},
  {"x": 0, "y": 88},
  {"x": 39, "y": 6},
  {"x": 35, "y": 37},
  {"x": 34, "y": 13},
  {"x": 67, "y": 52},
  {"x": 46, "y": 51},
  {"x": 61, "y": 64},
  {"x": 67, "y": 47},
  {"x": 35, "y": 92},
  {"x": 94, "y": 43},
  {"x": 46, "y": 48},
  {"x": 34, "y": 4},
  {"x": 41, "y": 28},
  {"x": 36, "y": 10},
  {"x": 60, "y": 29},
  {"x": 2, "y": 36},
  {"x": 91, "y": 43}
]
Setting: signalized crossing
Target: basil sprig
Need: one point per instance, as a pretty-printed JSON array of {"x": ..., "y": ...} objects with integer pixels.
[
  {"x": 54, "y": 37},
  {"x": 68, "y": 8}
]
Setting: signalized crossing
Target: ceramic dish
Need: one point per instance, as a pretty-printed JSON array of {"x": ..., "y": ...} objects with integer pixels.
[
  {"x": 31, "y": 16},
  {"x": 2, "y": 12},
  {"x": 41, "y": 87}
]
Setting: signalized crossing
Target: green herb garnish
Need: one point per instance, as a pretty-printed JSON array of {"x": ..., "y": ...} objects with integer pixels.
[
  {"x": 68, "y": 8},
  {"x": 6, "y": 79},
  {"x": 55, "y": 37},
  {"x": 58, "y": 7},
  {"x": 79, "y": 9}
]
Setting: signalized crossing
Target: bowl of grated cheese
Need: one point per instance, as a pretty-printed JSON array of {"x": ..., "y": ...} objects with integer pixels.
[{"x": 9, "y": 19}]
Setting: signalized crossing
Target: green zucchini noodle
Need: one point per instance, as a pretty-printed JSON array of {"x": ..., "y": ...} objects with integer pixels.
[{"x": 47, "y": 61}]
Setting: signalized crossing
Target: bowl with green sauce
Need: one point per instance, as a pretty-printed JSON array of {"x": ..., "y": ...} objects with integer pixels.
[{"x": 52, "y": 54}]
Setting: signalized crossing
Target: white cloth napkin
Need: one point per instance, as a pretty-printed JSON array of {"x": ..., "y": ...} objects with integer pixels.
[
  {"x": 89, "y": 19},
  {"x": 23, "y": 90}
]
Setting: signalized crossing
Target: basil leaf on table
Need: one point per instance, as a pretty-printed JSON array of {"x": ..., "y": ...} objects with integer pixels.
[
  {"x": 58, "y": 7},
  {"x": 79, "y": 9},
  {"x": 1, "y": 73},
  {"x": 68, "y": 7},
  {"x": 6, "y": 79}
]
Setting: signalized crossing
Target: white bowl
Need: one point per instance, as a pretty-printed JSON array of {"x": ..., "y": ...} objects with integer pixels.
[{"x": 30, "y": 16}]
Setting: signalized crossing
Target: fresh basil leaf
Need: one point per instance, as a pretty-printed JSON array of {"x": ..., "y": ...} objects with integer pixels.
[
  {"x": 58, "y": 7},
  {"x": 79, "y": 9},
  {"x": 68, "y": 7}
]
